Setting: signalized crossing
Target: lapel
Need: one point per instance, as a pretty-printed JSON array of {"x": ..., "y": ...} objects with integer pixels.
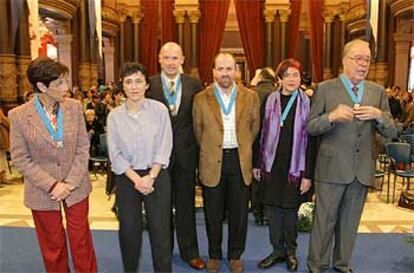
[
  {"x": 214, "y": 105},
  {"x": 184, "y": 87},
  {"x": 343, "y": 94},
  {"x": 34, "y": 120},
  {"x": 240, "y": 102},
  {"x": 367, "y": 94},
  {"x": 158, "y": 90},
  {"x": 70, "y": 121}
]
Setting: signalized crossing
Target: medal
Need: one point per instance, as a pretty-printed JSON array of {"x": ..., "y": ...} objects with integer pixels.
[
  {"x": 60, "y": 144},
  {"x": 172, "y": 107},
  {"x": 281, "y": 124},
  {"x": 356, "y": 105}
]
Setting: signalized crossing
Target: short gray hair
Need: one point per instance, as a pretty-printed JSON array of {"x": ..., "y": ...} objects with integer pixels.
[{"x": 348, "y": 46}]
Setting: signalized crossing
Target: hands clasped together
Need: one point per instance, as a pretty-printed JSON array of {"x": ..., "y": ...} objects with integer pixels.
[
  {"x": 61, "y": 191},
  {"x": 144, "y": 184},
  {"x": 345, "y": 113}
]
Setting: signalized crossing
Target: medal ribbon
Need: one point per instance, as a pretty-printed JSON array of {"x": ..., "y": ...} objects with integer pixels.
[
  {"x": 289, "y": 106},
  {"x": 57, "y": 135},
  {"x": 171, "y": 99},
  {"x": 226, "y": 111},
  {"x": 354, "y": 98}
]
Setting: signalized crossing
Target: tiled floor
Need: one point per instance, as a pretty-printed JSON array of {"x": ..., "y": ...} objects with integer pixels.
[{"x": 378, "y": 216}]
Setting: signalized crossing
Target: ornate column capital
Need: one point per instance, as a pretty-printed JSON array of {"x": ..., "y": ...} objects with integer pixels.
[
  {"x": 194, "y": 16},
  {"x": 179, "y": 16},
  {"x": 269, "y": 15},
  {"x": 136, "y": 14},
  {"x": 122, "y": 13},
  {"x": 284, "y": 15},
  {"x": 328, "y": 16}
]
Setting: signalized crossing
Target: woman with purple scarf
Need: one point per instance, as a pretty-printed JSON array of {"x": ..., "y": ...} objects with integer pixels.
[{"x": 284, "y": 162}]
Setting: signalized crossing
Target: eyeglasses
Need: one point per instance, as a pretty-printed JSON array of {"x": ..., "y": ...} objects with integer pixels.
[{"x": 361, "y": 60}]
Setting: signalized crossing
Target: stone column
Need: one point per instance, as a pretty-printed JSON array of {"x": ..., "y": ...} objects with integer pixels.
[
  {"x": 23, "y": 52},
  {"x": 269, "y": 16},
  {"x": 64, "y": 42},
  {"x": 109, "y": 57},
  {"x": 327, "y": 67},
  {"x": 194, "y": 16},
  {"x": 381, "y": 71},
  {"x": 343, "y": 38},
  {"x": 180, "y": 19},
  {"x": 122, "y": 19},
  {"x": 136, "y": 17},
  {"x": 284, "y": 16},
  {"x": 402, "y": 53},
  {"x": 8, "y": 77}
]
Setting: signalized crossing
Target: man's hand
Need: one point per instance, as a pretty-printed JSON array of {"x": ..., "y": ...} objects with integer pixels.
[
  {"x": 305, "y": 185},
  {"x": 60, "y": 192},
  {"x": 342, "y": 113},
  {"x": 368, "y": 113}
]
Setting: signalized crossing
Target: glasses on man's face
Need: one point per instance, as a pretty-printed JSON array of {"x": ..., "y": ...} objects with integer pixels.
[{"x": 361, "y": 60}]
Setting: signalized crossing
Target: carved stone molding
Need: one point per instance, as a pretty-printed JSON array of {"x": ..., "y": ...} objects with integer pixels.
[
  {"x": 64, "y": 8},
  {"x": 269, "y": 15},
  {"x": 356, "y": 13},
  {"x": 84, "y": 72},
  {"x": 328, "y": 16},
  {"x": 284, "y": 15},
  {"x": 136, "y": 14},
  {"x": 399, "y": 7},
  {"x": 194, "y": 16},
  {"x": 110, "y": 15},
  {"x": 8, "y": 77},
  {"x": 179, "y": 16},
  {"x": 23, "y": 84}
]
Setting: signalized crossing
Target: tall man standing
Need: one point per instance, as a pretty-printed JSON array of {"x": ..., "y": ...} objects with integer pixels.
[
  {"x": 226, "y": 121},
  {"x": 176, "y": 91},
  {"x": 345, "y": 114}
]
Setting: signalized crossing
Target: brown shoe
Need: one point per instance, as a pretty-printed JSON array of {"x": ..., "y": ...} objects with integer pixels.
[
  {"x": 197, "y": 263},
  {"x": 213, "y": 265},
  {"x": 236, "y": 266}
]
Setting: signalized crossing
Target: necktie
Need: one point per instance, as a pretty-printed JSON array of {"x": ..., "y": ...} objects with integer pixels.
[
  {"x": 355, "y": 90},
  {"x": 171, "y": 88},
  {"x": 53, "y": 120}
]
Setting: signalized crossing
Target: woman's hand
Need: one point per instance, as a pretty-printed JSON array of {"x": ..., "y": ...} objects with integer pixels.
[
  {"x": 60, "y": 192},
  {"x": 305, "y": 185},
  {"x": 256, "y": 174}
]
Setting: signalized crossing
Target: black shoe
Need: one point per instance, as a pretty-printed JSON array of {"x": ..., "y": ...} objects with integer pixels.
[
  {"x": 271, "y": 260},
  {"x": 292, "y": 263},
  {"x": 343, "y": 271}
]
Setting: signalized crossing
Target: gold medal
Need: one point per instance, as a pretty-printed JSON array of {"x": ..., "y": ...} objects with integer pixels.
[{"x": 356, "y": 105}]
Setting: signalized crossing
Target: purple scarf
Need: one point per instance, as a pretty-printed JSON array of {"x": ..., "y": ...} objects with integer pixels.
[{"x": 271, "y": 131}]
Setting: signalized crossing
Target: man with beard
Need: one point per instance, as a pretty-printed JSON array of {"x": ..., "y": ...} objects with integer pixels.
[
  {"x": 345, "y": 114},
  {"x": 226, "y": 121},
  {"x": 176, "y": 91}
]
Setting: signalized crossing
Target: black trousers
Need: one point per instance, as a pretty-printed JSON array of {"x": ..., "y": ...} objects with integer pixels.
[
  {"x": 183, "y": 194},
  {"x": 283, "y": 229},
  {"x": 158, "y": 212},
  {"x": 233, "y": 194}
]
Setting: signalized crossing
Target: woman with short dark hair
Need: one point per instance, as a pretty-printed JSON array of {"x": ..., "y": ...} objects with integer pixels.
[
  {"x": 286, "y": 162},
  {"x": 140, "y": 144},
  {"x": 50, "y": 146}
]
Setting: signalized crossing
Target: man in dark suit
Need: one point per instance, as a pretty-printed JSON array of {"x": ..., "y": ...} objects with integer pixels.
[
  {"x": 176, "y": 91},
  {"x": 345, "y": 114}
]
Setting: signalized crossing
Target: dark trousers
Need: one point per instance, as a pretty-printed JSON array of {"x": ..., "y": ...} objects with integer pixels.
[
  {"x": 337, "y": 214},
  {"x": 183, "y": 193},
  {"x": 283, "y": 229},
  {"x": 158, "y": 212},
  {"x": 233, "y": 194},
  {"x": 52, "y": 238},
  {"x": 257, "y": 205}
]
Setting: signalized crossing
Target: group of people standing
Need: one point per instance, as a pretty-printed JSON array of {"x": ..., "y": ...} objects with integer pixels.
[{"x": 168, "y": 128}]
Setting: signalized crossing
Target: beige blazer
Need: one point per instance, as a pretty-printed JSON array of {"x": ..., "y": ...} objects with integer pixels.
[
  {"x": 42, "y": 162},
  {"x": 208, "y": 129}
]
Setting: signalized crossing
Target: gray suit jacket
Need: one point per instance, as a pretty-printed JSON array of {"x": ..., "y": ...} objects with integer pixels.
[{"x": 347, "y": 149}]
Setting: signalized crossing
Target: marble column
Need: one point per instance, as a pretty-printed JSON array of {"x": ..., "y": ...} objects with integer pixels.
[
  {"x": 122, "y": 19},
  {"x": 402, "y": 53},
  {"x": 180, "y": 19},
  {"x": 194, "y": 16},
  {"x": 136, "y": 17},
  {"x": 23, "y": 52},
  {"x": 8, "y": 77},
  {"x": 284, "y": 16},
  {"x": 109, "y": 57},
  {"x": 269, "y": 16},
  {"x": 64, "y": 42},
  {"x": 381, "y": 71},
  {"x": 327, "y": 67},
  {"x": 342, "y": 43}
]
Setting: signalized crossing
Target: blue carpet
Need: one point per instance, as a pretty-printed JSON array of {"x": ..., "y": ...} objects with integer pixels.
[{"x": 374, "y": 253}]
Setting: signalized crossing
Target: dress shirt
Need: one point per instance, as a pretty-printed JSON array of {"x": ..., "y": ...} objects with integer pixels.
[
  {"x": 229, "y": 121},
  {"x": 179, "y": 91},
  {"x": 138, "y": 140}
]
